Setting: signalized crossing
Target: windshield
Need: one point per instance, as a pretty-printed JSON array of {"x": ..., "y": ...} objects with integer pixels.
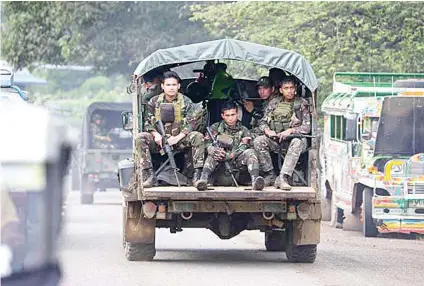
[
  {"x": 106, "y": 131},
  {"x": 401, "y": 127}
]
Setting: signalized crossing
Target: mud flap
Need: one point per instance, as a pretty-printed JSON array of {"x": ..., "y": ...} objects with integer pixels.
[
  {"x": 137, "y": 228},
  {"x": 140, "y": 230},
  {"x": 306, "y": 232}
]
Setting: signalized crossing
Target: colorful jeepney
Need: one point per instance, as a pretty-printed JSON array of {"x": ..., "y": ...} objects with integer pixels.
[{"x": 372, "y": 167}]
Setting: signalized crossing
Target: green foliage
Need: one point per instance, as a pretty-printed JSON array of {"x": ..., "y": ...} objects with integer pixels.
[
  {"x": 72, "y": 102},
  {"x": 348, "y": 36},
  {"x": 111, "y": 36}
]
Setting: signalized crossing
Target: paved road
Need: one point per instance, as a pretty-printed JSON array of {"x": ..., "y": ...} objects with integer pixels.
[{"x": 92, "y": 255}]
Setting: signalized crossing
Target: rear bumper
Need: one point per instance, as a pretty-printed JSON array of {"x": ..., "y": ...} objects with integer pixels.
[
  {"x": 406, "y": 226},
  {"x": 399, "y": 214},
  {"x": 227, "y": 193}
]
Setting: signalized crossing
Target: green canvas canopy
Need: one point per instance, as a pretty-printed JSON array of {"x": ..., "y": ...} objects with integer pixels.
[{"x": 230, "y": 49}]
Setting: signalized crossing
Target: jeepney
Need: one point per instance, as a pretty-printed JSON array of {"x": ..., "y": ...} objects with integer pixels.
[{"x": 373, "y": 176}]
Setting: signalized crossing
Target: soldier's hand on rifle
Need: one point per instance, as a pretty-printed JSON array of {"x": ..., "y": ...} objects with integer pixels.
[
  {"x": 270, "y": 133},
  {"x": 175, "y": 139},
  {"x": 284, "y": 134},
  {"x": 248, "y": 105},
  {"x": 246, "y": 140},
  {"x": 158, "y": 139},
  {"x": 230, "y": 156},
  {"x": 108, "y": 139},
  {"x": 219, "y": 154}
]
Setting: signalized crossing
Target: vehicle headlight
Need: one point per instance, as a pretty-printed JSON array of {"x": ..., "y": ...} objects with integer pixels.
[{"x": 397, "y": 170}]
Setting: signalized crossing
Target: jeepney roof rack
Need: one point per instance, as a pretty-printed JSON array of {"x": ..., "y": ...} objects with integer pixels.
[{"x": 370, "y": 82}]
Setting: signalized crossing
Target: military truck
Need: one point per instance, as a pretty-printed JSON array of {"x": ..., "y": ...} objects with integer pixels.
[
  {"x": 370, "y": 153},
  {"x": 290, "y": 220},
  {"x": 95, "y": 165}
]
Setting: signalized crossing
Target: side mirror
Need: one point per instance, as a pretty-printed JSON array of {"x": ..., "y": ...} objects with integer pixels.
[
  {"x": 351, "y": 130},
  {"x": 127, "y": 120}
]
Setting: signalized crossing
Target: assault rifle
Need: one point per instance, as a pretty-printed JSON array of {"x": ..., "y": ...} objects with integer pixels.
[
  {"x": 216, "y": 143},
  {"x": 168, "y": 150},
  {"x": 294, "y": 135}
]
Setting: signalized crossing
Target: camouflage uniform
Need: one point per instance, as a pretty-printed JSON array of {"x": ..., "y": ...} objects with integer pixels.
[
  {"x": 244, "y": 155},
  {"x": 280, "y": 116},
  {"x": 256, "y": 131},
  {"x": 184, "y": 123},
  {"x": 98, "y": 132},
  {"x": 151, "y": 92}
]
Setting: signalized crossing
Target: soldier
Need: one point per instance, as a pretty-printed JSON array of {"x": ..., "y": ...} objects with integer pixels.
[
  {"x": 179, "y": 133},
  {"x": 266, "y": 92},
  {"x": 152, "y": 84},
  {"x": 285, "y": 115},
  {"x": 276, "y": 76},
  {"x": 99, "y": 137},
  {"x": 236, "y": 149}
]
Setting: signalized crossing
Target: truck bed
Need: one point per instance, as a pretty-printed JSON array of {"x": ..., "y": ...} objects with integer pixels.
[{"x": 227, "y": 193}]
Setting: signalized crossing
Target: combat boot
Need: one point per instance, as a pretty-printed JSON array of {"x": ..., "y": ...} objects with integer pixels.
[
  {"x": 282, "y": 182},
  {"x": 202, "y": 183},
  {"x": 258, "y": 183},
  {"x": 196, "y": 175},
  {"x": 269, "y": 178},
  {"x": 149, "y": 178}
]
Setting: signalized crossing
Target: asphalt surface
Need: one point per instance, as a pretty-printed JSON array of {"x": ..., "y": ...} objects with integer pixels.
[{"x": 92, "y": 254}]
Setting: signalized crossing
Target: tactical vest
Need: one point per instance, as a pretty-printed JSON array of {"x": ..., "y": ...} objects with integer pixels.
[
  {"x": 180, "y": 120},
  {"x": 281, "y": 116},
  {"x": 235, "y": 135}
]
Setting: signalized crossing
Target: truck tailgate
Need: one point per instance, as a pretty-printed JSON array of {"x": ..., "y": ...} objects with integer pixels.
[{"x": 227, "y": 193}]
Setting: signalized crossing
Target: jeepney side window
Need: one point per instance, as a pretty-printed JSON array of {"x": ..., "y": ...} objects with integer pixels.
[
  {"x": 338, "y": 127},
  {"x": 333, "y": 126}
]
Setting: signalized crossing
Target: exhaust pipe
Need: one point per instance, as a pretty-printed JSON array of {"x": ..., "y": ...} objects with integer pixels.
[
  {"x": 187, "y": 215},
  {"x": 268, "y": 215}
]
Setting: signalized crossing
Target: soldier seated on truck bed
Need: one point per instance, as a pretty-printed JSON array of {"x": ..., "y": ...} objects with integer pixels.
[
  {"x": 179, "y": 132},
  {"x": 284, "y": 116},
  {"x": 234, "y": 147}
]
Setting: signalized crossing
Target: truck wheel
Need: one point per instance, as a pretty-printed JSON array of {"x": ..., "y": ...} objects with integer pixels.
[
  {"x": 301, "y": 253},
  {"x": 368, "y": 227},
  {"x": 275, "y": 241},
  {"x": 87, "y": 191},
  {"x": 140, "y": 251},
  {"x": 124, "y": 219}
]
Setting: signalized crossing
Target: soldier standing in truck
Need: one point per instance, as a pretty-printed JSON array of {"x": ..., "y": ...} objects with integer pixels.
[
  {"x": 234, "y": 139},
  {"x": 179, "y": 133},
  {"x": 284, "y": 116}
]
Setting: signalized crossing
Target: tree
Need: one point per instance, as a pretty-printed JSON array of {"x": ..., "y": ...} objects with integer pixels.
[
  {"x": 349, "y": 36},
  {"x": 111, "y": 36}
]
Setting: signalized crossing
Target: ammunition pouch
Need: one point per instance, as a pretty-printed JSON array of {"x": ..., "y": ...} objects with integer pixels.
[
  {"x": 167, "y": 112},
  {"x": 226, "y": 141}
]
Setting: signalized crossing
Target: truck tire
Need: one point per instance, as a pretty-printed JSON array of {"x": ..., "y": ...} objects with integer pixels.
[
  {"x": 368, "y": 227},
  {"x": 275, "y": 241},
  {"x": 140, "y": 251},
  {"x": 124, "y": 220},
  {"x": 87, "y": 191},
  {"x": 301, "y": 253}
]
